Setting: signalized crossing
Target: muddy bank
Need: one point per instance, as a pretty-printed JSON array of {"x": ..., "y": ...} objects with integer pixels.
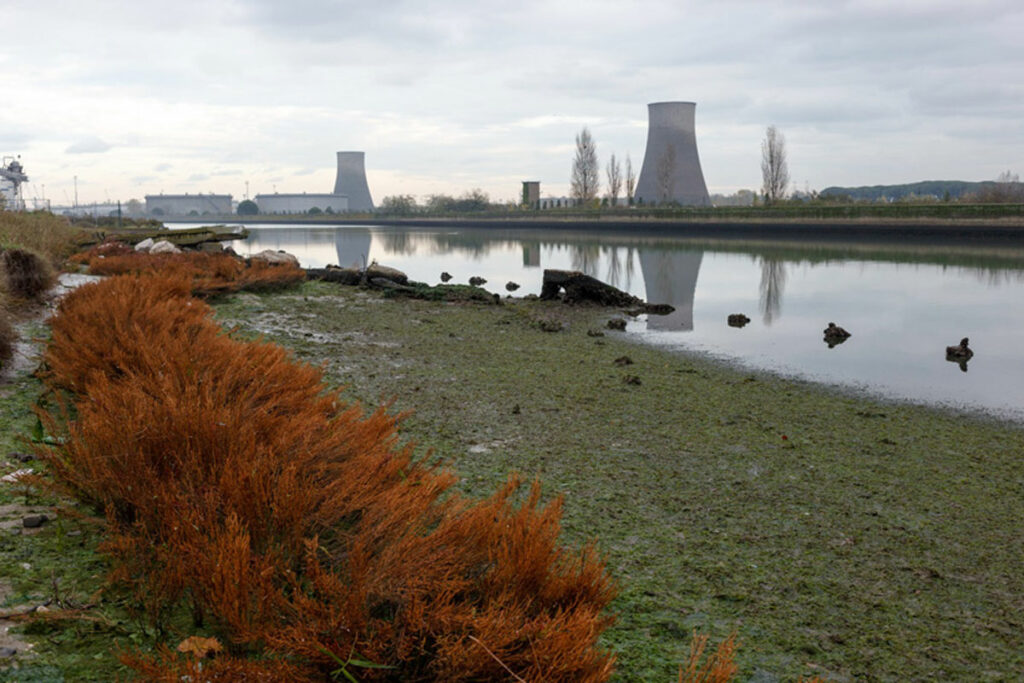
[{"x": 841, "y": 536}]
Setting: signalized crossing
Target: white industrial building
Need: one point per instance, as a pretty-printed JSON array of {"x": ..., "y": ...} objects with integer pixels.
[
  {"x": 188, "y": 205},
  {"x": 294, "y": 204}
]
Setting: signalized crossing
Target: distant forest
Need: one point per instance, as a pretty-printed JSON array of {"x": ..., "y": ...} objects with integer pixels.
[{"x": 927, "y": 188}]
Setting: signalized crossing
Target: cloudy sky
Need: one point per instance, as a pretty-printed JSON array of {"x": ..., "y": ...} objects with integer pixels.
[{"x": 136, "y": 97}]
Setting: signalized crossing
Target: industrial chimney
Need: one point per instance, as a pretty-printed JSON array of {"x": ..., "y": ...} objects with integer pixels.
[
  {"x": 671, "y": 170},
  {"x": 351, "y": 181}
]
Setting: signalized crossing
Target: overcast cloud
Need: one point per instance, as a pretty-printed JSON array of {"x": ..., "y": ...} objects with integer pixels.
[{"x": 204, "y": 95}]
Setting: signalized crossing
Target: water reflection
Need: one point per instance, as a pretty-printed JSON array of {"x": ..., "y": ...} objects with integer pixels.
[
  {"x": 670, "y": 278},
  {"x": 773, "y": 284},
  {"x": 586, "y": 258},
  {"x": 898, "y": 299},
  {"x": 353, "y": 247},
  {"x": 531, "y": 254}
]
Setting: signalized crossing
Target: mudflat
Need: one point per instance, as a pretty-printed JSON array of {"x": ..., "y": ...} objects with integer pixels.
[{"x": 838, "y": 535}]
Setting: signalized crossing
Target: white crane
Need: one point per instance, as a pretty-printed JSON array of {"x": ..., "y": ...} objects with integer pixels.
[{"x": 13, "y": 172}]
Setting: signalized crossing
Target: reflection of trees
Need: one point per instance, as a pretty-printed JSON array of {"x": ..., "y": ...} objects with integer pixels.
[
  {"x": 773, "y": 282},
  {"x": 586, "y": 258},
  {"x": 620, "y": 266},
  {"x": 397, "y": 242},
  {"x": 614, "y": 266}
]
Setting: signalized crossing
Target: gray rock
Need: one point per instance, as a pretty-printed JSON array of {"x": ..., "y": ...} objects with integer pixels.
[
  {"x": 164, "y": 247},
  {"x": 145, "y": 245},
  {"x": 393, "y": 274},
  {"x": 275, "y": 258}
]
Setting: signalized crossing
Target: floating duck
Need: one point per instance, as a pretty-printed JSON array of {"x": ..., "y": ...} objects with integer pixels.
[
  {"x": 835, "y": 335},
  {"x": 477, "y": 281},
  {"x": 446, "y": 276},
  {"x": 738, "y": 320},
  {"x": 511, "y": 286}
]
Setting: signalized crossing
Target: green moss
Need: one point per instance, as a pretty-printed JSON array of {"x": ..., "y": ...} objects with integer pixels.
[{"x": 877, "y": 540}]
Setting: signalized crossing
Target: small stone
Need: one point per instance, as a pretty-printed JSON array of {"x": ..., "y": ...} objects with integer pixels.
[
  {"x": 631, "y": 379},
  {"x": 7, "y": 652},
  {"x": 515, "y": 409},
  {"x": 623, "y": 360},
  {"x": 617, "y": 324},
  {"x": 22, "y": 457},
  {"x": 33, "y": 521},
  {"x": 595, "y": 333}
]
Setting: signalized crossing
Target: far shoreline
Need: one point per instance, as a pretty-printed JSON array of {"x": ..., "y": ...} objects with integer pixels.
[{"x": 952, "y": 232}]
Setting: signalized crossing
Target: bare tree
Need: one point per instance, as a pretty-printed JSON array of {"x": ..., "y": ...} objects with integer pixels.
[
  {"x": 774, "y": 170},
  {"x": 614, "y": 172},
  {"x": 630, "y": 181},
  {"x": 585, "y": 170},
  {"x": 667, "y": 175}
]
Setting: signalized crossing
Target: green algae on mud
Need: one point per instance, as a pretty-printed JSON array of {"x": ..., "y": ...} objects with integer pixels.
[{"x": 841, "y": 536}]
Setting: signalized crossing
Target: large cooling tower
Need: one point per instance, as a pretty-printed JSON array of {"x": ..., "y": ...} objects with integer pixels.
[
  {"x": 351, "y": 181},
  {"x": 671, "y": 170}
]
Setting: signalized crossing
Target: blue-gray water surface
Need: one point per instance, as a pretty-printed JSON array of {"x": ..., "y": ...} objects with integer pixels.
[{"x": 903, "y": 304}]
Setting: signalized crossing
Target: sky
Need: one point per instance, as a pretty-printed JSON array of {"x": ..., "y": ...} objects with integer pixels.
[{"x": 138, "y": 97}]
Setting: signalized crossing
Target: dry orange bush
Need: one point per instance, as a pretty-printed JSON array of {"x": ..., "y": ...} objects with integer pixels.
[
  {"x": 209, "y": 274},
  {"x": 298, "y": 529}
]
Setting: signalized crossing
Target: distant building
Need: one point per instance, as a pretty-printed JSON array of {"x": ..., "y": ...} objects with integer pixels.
[
  {"x": 188, "y": 204},
  {"x": 531, "y": 193},
  {"x": 301, "y": 203}
]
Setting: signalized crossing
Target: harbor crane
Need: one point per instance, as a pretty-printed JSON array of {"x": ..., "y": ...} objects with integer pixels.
[{"x": 13, "y": 172}]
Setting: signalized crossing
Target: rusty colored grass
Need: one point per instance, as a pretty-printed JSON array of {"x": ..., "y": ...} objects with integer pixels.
[
  {"x": 210, "y": 274},
  {"x": 293, "y": 524}
]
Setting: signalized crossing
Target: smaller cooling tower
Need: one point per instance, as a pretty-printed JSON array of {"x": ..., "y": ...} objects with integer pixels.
[
  {"x": 351, "y": 181},
  {"x": 671, "y": 170}
]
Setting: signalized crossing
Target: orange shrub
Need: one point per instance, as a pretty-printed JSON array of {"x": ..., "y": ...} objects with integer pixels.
[
  {"x": 209, "y": 274},
  {"x": 231, "y": 476}
]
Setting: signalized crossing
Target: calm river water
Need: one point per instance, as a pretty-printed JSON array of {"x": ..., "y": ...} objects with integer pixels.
[{"x": 903, "y": 304}]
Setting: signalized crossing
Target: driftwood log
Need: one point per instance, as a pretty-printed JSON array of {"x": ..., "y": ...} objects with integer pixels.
[{"x": 580, "y": 288}]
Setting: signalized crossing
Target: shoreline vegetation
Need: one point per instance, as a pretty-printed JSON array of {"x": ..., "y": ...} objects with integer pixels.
[
  {"x": 838, "y": 536},
  {"x": 768, "y": 218}
]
